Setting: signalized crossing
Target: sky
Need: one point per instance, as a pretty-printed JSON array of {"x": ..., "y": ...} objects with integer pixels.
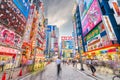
[{"x": 60, "y": 14}]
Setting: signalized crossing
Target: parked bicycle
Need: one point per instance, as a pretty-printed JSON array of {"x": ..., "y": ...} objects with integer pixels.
[{"x": 117, "y": 75}]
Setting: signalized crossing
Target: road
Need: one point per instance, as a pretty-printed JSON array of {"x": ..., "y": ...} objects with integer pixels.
[{"x": 50, "y": 73}]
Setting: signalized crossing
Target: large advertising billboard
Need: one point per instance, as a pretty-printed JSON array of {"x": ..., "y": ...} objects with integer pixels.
[
  {"x": 23, "y": 6},
  {"x": 84, "y": 6},
  {"x": 92, "y": 18}
]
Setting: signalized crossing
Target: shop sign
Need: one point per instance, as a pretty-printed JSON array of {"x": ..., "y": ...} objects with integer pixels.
[
  {"x": 92, "y": 18},
  {"x": 109, "y": 28},
  {"x": 93, "y": 33},
  {"x": 8, "y": 50},
  {"x": 8, "y": 37}
]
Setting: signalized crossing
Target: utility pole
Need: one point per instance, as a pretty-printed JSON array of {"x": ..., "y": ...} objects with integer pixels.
[{"x": 78, "y": 40}]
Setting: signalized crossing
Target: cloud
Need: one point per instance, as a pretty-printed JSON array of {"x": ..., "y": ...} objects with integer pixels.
[{"x": 59, "y": 12}]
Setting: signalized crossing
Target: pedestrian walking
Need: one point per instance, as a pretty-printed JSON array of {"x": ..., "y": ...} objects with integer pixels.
[
  {"x": 58, "y": 62},
  {"x": 2, "y": 64},
  {"x": 93, "y": 69}
]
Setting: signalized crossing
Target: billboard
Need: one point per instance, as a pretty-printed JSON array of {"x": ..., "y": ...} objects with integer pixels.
[
  {"x": 84, "y": 6},
  {"x": 92, "y": 18},
  {"x": 23, "y": 6}
]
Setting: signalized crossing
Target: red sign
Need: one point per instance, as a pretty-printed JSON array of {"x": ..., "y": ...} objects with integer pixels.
[
  {"x": 66, "y": 38},
  {"x": 8, "y": 50}
]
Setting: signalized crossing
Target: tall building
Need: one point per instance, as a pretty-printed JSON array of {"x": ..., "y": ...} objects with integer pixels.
[
  {"x": 67, "y": 46},
  {"x": 52, "y": 40},
  {"x": 100, "y": 30}
]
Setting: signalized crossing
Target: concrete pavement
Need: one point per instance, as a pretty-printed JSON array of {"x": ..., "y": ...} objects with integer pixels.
[{"x": 99, "y": 75}]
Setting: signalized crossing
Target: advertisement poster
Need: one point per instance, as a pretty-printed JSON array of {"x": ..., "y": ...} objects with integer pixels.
[
  {"x": 109, "y": 28},
  {"x": 11, "y": 17},
  {"x": 8, "y": 37},
  {"x": 92, "y": 18},
  {"x": 23, "y": 6},
  {"x": 84, "y": 6}
]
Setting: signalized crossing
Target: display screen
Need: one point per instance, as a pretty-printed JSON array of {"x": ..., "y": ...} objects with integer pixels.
[
  {"x": 92, "y": 18},
  {"x": 23, "y": 6}
]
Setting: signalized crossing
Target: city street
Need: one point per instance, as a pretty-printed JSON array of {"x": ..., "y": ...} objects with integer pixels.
[
  {"x": 68, "y": 73},
  {"x": 36, "y": 36}
]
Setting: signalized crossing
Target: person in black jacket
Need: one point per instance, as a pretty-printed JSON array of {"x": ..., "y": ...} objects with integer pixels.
[{"x": 92, "y": 68}]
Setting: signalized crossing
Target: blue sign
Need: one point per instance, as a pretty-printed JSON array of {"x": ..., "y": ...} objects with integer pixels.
[
  {"x": 23, "y": 6},
  {"x": 50, "y": 28}
]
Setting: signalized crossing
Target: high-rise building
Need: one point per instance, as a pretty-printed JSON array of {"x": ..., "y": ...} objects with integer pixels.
[
  {"x": 52, "y": 40},
  {"x": 100, "y": 28}
]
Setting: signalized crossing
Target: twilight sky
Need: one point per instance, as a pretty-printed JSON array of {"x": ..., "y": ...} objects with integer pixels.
[{"x": 60, "y": 14}]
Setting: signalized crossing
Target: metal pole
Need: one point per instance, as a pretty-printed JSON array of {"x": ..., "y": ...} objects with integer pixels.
[{"x": 82, "y": 69}]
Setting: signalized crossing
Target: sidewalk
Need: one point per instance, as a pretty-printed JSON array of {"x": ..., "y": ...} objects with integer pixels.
[
  {"x": 10, "y": 72},
  {"x": 99, "y": 75}
]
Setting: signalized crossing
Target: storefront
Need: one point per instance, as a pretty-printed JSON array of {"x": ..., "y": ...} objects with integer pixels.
[
  {"x": 10, "y": 57},
  {"x": 108, "y": 56}
]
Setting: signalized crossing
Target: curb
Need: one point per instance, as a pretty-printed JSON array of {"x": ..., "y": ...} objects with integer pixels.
[{"x": 89, "y": 74}]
